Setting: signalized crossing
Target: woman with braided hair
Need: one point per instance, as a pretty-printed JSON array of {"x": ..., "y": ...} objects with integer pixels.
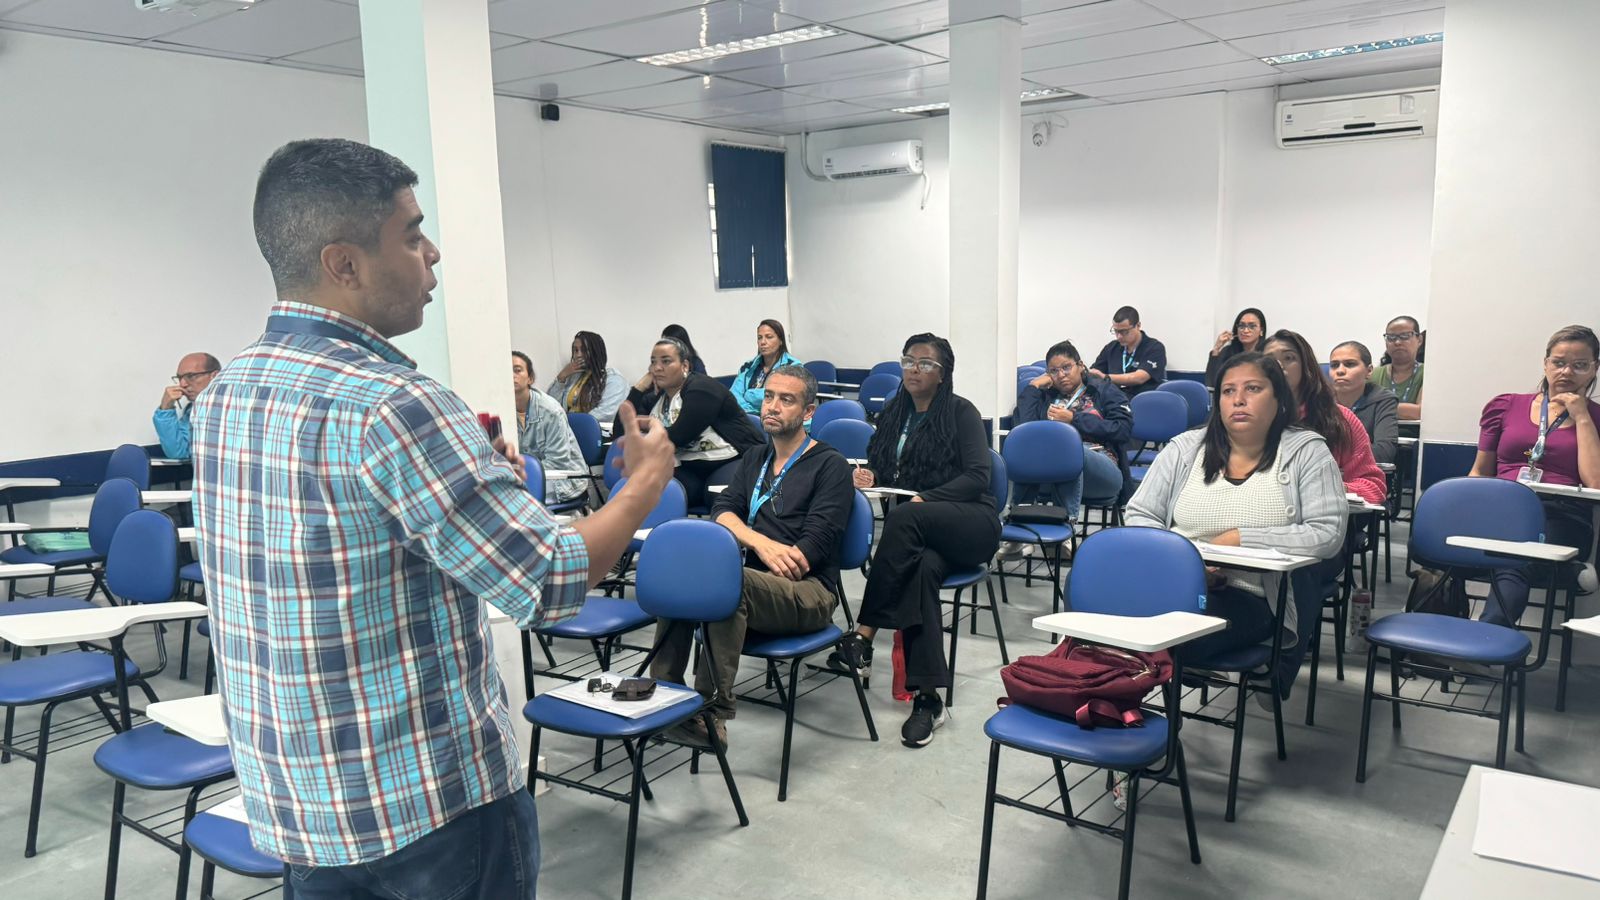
[
  {"x": 931, "y": 441},
  {"x": 586, "y": 383}
]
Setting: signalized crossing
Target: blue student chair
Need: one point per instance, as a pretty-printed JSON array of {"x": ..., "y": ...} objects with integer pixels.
[
  {"x": 755, "y": 422},
  {"x": 224, "y": 843},
  {"x": 1026, "y": 374},
  {"x": 1038, "y": 364},
  {"x": 1469, "y": 507},
  {"x": 822, "y": 370},
  {"x": 672, "y": 505},
  {"x": 533, "y": 477},
  {"x": 849, "y": 436},
  {"x": 586, "y": 429},
  {"x": 961, "y": 580},
  {"x": 1158, "y": 417},
  {"x": 1171, "y": 579},
  {"x": 889, "y": 367},
  {"x": 1044, "y": 453},
  {"x": 794, "y": 648},
  {"x": 113, "y": 501},
  {"x": 878, "y": 389},
  {"x": 143, "y": 568},
  {"x": 690, "y": 573},
  {"x": 611, "y": 471},
  {"x": 1195, "y": 395},
  {"x": 131, "y": 462},
  {"x": 837, "y": 409}
]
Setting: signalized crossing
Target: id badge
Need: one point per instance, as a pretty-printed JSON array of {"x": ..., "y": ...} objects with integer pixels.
[{"x": 1530, "y": 474}]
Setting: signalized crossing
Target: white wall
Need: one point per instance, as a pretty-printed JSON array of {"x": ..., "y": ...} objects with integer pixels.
[
  {"x": 1515, "y": 234},
  {"x": 126, "y": 178},
  {"x": 1183, "y": 208}
]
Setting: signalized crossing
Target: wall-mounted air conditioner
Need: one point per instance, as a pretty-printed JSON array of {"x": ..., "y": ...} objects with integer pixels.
[
  {"x": 867, "y": 160},
  {"x": 1319, "y": 121}
]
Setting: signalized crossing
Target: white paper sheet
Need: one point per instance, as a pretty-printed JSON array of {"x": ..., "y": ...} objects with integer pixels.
[
  {"x": 231, "y": 808},
  {"x": 1538, "y": 822},
  {"x": 1590, "y": 625},
  {"x": 1242, "y": 552},
  {"x": 578, "y": 692}
]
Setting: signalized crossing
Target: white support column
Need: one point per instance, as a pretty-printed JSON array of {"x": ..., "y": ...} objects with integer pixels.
[
  {"x": 430, "y": 101},
  {"x": 985, "y": 146}
]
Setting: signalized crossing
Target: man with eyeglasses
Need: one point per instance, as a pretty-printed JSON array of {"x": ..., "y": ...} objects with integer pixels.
[
  {"x": 1133, "y": 361},
  {"x": 195, "y": 371}
]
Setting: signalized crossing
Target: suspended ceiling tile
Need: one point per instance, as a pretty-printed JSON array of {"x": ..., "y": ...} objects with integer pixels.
[
  {"x": 1212, "y": 54},
  {"x": 274, "y": 29},
  {"x": 870, "y": 61},
  {"x": 792, "y": 115},
  {"x": 1039, "y": 7},
  {"x": 938, "y": 44},
  {"x": 703, "y": 26},
  {"x": 1088, "y": 21},
  {"x": 1207, "y": 75},
  {"x": 744, "y": 104},
  {"x": 113, "y": 18},
  {"x": 828, "y": 11},
  {"x": 901, "y": 99},
  {"x": 856, "y": 121},
  {"x": 1193, "y": 9},
  {"x": 901, "y": 22},
  {"x": 346, "y": 55},
  {"x": 1110, "y": 46},
  {"x": 772, "y": 56},
  {"x": 1245, "y": 84},
  {"x": 1404, "y": 59},
  {"x": 1306, "y": 14},
  {"x": 291, "y": 63},
  {"x": 534, "y": 58},
  {"x": 701, "y": 89},
  {"x": 203, "y": 51},
  {"x": 918, "y": 78},
  {"x": 612, "y": 76},
  {"x": 1343, "y": 34},
  {"x": 544, "y": 18}
]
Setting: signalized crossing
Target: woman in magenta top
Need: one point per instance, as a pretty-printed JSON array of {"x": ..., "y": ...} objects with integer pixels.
[
  {"x": 1321, "y": 412},
  {"x": 1509, "y": 447}
]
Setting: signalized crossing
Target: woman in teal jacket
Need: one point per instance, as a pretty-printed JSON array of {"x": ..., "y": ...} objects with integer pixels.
[{"x": 772, "y": 351}]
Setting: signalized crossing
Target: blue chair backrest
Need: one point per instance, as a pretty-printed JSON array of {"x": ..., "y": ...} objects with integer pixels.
[
  {"x": 1195, "y": 395},
  {"x": 1038, "y": 364},
  {"x": 892, "y": 367},
  {"x": 1327, "y": 371},
  {"x": 1159, "y": 416},
  {"x": 1474, "y": 507},
  {"x": 999, "y": 483},
  {"x": 755, "y": 422},
  {"x": 586, "y": 428},
  {"x": 113, "y": 502},
  {"x": 834, "y": 410},
  {"x": 1043, "y": 453},
  {"x": 533, "y": 477},
  {"x": 672, "y": 505},
  {"x": 1026, "y": 374},
  {"x": 131, "y": 462},
  {"x": 855, "y": 548},
  {"x": 877, "y": 389},
  {"x": 690, "y": 569},
  {"x": 848, "y": 436},
  {"x": 822, "y": 370},
  {"x": 1136, "y": 571},
  {"x": 613, "y": 462},
  {"x": 142, "y": 566}
]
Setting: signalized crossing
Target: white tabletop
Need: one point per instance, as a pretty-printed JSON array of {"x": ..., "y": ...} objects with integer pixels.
[
  {"x": 641, "y": 534},
  {"x": 877, "y": 399},
  {"x": 716, "y": 488},
  {"x": 1360, "y": 506},
  {"x": 565, "y": 473},
  {"x": 199, "y": 718},
  {"x": 14, "y": 527},
  {"x": 167, "y": 461},
  {"x": 1460, "y": 874},
  {"x": 1407, "y": 441},
  {"x": 25, "y": 570},
  {"x": 1518, "y": 549},
  {"x": 1589, "y": 626},
  {"x": 1252, "y": 559},
  {"x": 7, "y": 484},
  {"x": 887, "y": 492},
  {"x": 839, "y": 384},
  {"x": 1146, "y": 633},
  {"x": 71, "y": 626},
  {"x": 1567, "y": 490},
  {"x": 826, "y": 396},
  {"x": 186, "y": 534},
  {"x": 167, "y": 496}
]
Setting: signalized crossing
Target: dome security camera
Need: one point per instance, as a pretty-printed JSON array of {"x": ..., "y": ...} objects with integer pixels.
[{"x": 1041, "y": 133}]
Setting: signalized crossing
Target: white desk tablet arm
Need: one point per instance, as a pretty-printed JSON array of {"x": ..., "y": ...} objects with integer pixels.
[{"x": 1526, "y": 552}]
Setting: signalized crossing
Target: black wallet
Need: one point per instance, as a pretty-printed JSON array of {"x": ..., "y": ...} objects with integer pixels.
[{"x": 634, "y": 689}]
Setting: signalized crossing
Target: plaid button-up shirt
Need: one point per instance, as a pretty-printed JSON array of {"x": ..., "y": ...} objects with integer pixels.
[{"x": 352, "y": 521}]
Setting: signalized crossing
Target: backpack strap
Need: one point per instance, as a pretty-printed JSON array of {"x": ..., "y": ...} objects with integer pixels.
[{"x": 1107, "y": 712}]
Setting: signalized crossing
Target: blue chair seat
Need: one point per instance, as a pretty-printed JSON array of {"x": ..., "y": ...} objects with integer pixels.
[
  {"x": 43, "y": 604},
  {"x": 601, "y": 617},
  {"x": 962, "y": 578},
  {"x": 789, "y": 646},
  {"x": 1144, "y": 457},
  {"x": 60, "y": 558},
  {"x": 1137, "y": 473},
  {"x": 154, "y": 758},
  {"x": 40, "y": 679},
  {"x": 1033, "y": 534},
  {"x": 1450, "y": 637},
  {"x": 1241, "y": 659},
  {"x": 566, "y": 717},
  {"x": 1036, "y": 731},
  {"x": 204, "y": 628},
  {"x": 191, "y": 573},
  {"x": 226, "y": 842}
]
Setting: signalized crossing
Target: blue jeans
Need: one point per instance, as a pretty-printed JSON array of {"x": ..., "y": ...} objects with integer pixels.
[
  {"x": 489, "y": 853},
  {"x": 1100, "y": 480}
]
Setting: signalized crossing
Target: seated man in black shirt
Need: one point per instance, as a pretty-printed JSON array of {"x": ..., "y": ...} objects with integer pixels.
[
  {"x": 787, "y": 505},
  {"x": 1134, "y": 361}
]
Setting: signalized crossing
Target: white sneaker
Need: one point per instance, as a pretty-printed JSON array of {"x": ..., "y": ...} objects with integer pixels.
[{"x": 1010, "y": 550}]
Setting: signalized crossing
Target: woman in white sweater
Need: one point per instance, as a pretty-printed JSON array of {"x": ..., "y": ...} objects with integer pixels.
[{"x": 1250, "y": 479}]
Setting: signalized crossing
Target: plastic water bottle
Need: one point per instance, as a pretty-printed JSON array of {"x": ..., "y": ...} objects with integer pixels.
[{"x": 1360, "y": 618}]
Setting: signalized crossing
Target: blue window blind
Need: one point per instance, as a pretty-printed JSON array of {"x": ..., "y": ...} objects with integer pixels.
[{"x": 752, "y": 225}]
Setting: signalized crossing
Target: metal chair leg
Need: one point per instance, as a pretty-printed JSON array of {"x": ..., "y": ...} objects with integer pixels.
[
  {"x": 727, "y": 773},
  {"x": 999, "y": 630},
  {"x": 1188, "y": 809},
  {"x": 37, "y": 798},
  {"x": 118, "y": 796},
  {"x": 1238, "y": 748},
  {"x": 1505, "y": 719},
  {"x": 633, "y": 828},
  {"x": 1127, "y": 835},
  {"x": 988, "y": 821},
  {"x": 1394, "y": 691},
  {"x": 1316, "y": 665},
  {"x": 1366, "y": 712},
  {"x": 1061, "y": 785}
]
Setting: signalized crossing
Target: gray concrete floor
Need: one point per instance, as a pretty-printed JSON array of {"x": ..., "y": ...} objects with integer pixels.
[{"x": 878, "y": 819}]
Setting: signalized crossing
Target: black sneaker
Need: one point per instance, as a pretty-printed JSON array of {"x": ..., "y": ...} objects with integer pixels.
[
  {"x": 927, "y": 713},
  {"x": 852, "y": 654}
]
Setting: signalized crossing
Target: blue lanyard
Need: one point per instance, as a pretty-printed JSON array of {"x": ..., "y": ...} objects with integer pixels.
[
  {"x": 1545, "y": 427},
  {"x": 1068, "y": 401},
  {"x": 761, "y": 497},
  {"x": 1128, "y": 359}
]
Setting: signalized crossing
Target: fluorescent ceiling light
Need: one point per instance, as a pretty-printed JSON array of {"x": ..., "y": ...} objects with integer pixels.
[
  {"x": 729, "y": 48},
  {"x": 1027, "y": 97},
  {"x": 1368, "y": 47}
]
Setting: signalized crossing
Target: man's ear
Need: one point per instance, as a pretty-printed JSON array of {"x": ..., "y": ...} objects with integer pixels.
[{"x": 340, "y": 266}]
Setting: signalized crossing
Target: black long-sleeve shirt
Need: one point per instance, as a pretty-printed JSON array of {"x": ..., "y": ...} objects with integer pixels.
[
  {"x": 971, "y": 449},
  {"x": 706, "y": 404},
  {"x": 809, "y": 511}
]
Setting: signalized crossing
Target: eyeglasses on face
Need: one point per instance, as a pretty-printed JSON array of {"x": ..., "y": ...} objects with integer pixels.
[
  {"x": 1248, "y": 326},
  {"x": 921, "y": 365},
  {"x": 186, "y": 377},
  {"x": 1398, "y": 336},
  {"x": 1575, "y": 366},
  {"x": 1123, "y": 332},
  {"x": 1062, "y": 370}
]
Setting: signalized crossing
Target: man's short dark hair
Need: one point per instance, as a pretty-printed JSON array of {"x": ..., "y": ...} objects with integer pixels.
[
  {"x": 1126, "y": 314},
  {"x": 318, "y": 192},
  {"x": 806, "y": 378}
]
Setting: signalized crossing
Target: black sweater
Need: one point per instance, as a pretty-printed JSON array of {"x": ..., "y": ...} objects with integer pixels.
[
  {"x": 809, "y": 512},
  {"x": 706, "y": 404},
  {"x": 970, "y": 456}
]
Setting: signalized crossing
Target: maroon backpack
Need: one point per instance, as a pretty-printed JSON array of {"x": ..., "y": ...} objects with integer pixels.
[{"x": 1092, "y": 683}]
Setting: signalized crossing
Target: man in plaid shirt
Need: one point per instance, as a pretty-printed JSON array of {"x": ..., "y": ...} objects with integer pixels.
[{"x": 353, "y": 520}]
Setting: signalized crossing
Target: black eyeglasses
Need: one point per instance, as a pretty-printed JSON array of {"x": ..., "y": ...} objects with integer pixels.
[
  {"x": 186, "y": 377},
  {"x": 1399, "y": 336}
]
